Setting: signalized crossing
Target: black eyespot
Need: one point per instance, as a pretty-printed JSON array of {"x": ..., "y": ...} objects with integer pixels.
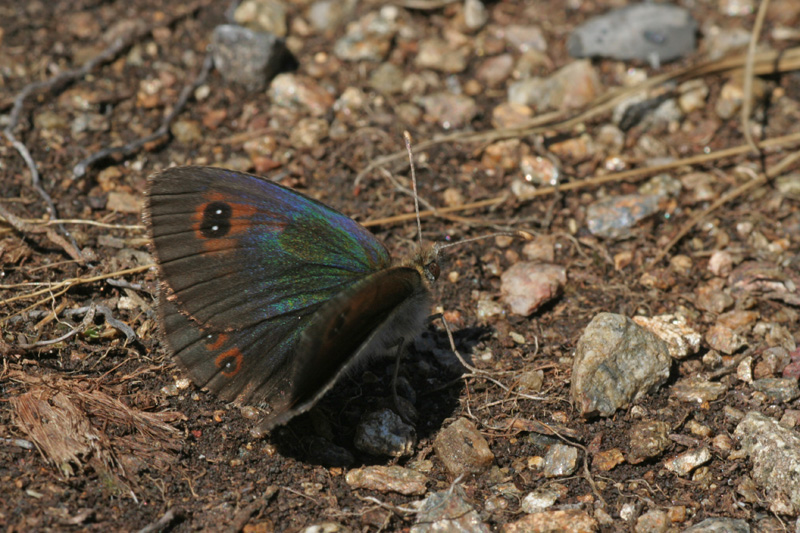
[
  {"x": 216, "y": 221},
  {"x": 432, "y": 271}
]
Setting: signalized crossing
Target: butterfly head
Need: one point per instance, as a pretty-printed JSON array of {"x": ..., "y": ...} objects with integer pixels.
[{"x": 426, "y": 262}]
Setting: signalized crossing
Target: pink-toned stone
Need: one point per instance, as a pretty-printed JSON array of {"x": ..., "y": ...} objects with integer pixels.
[{"x": 526, "y": 286}]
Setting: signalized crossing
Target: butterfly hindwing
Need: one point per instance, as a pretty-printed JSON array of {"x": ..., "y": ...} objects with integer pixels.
[
  {"x": 371, "y": 315},
  {"x": 232, "y": 364}
]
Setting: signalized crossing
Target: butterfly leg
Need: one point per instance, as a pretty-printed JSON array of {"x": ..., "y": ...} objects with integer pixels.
[{"x": 402, "y": 406}]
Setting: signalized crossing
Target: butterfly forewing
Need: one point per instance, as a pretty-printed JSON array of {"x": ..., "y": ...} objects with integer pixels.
[
  {"x": 245, "y": 263},
  {"x": 235, "y": 250}
]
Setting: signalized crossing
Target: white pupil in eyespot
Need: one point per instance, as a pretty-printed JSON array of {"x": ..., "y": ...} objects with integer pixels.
[
  {"x": 219, "y": 211},
  {"x": 214, "y": 228}
]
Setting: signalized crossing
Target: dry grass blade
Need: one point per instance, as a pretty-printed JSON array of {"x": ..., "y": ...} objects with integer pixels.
[
  {"x": 727, "y": 198},
  {"x": 72, "y": 282},
  {"x": 747, "y": 100},
  {"x": 769, "y": 62},
  {"x": 26, "y": 228},
  {"x": 626, "y": 175}
]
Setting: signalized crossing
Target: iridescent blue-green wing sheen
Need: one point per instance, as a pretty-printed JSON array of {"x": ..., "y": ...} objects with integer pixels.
[{"x": 244, "y": 262}]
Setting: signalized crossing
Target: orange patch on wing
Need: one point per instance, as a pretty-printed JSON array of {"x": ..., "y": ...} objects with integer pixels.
[
  {"x": 217, "y": 344},
  {"x": 230, "y": 362}
]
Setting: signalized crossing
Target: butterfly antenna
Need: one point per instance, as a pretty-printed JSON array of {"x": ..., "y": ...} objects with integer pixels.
[
  {"x": 518, "y": 233},
  {"x": 407, "y": 138}
]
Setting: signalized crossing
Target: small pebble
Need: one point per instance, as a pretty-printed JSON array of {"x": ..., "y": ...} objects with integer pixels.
[
  {"x": 647, "y": 440},
  {"x": 683, "y": 464},
  {"x": 369, "y": 38},
  {"x": 560, "y": 460},
  {"x": 262, "y": 15},
  {"x": 296, "y": 91},
  {"x": 462, "y": 448},
  {"x": 387, "y": 479},
  {"x": 527, "y": 286},
  {"x": 383, "y": 432},
  {"x": 541, "y": 248},
  {"x": 682, "y": 339},
  {"x": 329, "y": 14},
  {"x": 606, "y": 460},
  {"x": 724, "y": 339},
  {"x": 246, "y": 57},
  {"x": 494, "y": 71},
  {"x": 475, "y": 14},
  {"x": 511, "y": 115},
  {"x": 186, "y": 131},
  {"x": 718, "y": 525},
  {"x": 387, "y": 78},
  {"x": 448, "y": 511},
  {"x": 538, "y": 500},
  {"x": 696, "y": 389},
  {"x": 778, "y": 389},
  {"x": 308, "y": 133},
  {"x": 450, "y": 111},
  {"x": 713, "y": 300},
  {"x": 123, "y": 202},
  {"x": 615, "y": 217},
  {"x": 573, "y": 86},
  {"x": 525, "y": 38},
  {"x": 437, "y": 54},
  {"x": 530, "y": 381},
  {"x": 693, "y": 95},
  {"x": 655, "y": 521},
  {"x": 566, "y": 521}
]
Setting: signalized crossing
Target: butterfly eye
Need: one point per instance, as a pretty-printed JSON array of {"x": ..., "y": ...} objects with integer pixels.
[{"x": 432, "y": 271}]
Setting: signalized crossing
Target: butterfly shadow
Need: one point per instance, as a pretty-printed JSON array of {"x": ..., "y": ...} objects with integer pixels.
[{"x": 429, "y": 379}]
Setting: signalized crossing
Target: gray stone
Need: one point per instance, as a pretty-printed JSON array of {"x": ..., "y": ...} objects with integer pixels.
[
  {"x": 384, "y": 433},
  {"x": 775, "y": 453},
  {"x": 778, "y": 389},
  {"x": 651, "y": 32},
  {"x": 615, "y": 217},
  {"x": 616, "y": 361},
  {"x": 719, "y": 525},
  {"x": 448, "y": 512},
  {"x": 249, "y": 58},
  {"x": 560, "y": 460}
]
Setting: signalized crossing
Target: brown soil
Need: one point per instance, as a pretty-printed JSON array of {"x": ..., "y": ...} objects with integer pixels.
[{"x": 208, "y": 470}]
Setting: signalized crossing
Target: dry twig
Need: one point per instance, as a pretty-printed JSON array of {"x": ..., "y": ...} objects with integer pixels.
[
  {"x": 747, "y": 103},
  {"x": 754, "y": 183},
  {"x": 162, "y": 131},
  {"x": 70, "y": 248}
]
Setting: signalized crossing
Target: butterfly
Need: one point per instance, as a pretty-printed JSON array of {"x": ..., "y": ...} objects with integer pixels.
[{"x": 268, "y": 296}]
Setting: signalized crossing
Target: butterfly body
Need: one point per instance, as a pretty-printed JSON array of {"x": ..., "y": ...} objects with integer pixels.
[{"x": 268, "y": 296}]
